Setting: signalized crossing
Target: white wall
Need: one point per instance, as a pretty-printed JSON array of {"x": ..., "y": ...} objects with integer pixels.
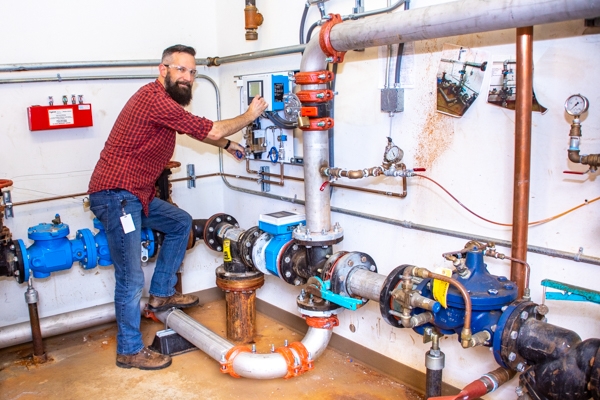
[{"x": 471, "y": 156}]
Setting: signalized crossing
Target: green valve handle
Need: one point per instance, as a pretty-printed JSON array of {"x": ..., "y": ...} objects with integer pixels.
[{"x": 569, "y": 292}]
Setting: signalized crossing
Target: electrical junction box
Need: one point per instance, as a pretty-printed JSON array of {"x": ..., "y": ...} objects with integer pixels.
[
  {"x": 59, "y": 117},
  {"x": 280, "y": 222}
]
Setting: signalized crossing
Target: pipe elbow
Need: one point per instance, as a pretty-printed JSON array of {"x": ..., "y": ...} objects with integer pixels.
[{"x": 574, "y": 156}]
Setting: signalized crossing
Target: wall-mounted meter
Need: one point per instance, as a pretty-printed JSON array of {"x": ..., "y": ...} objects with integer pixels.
[
  {"x": 271, "y": 138},
  {"x": 272, "y": 87}
]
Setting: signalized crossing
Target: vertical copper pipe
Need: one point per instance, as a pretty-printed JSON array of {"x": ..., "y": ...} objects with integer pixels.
[
  {"x": 522, "y": 154},
  {"x": 39, "y": 355}
]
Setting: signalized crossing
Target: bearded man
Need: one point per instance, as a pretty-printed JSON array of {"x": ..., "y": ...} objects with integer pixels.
[{"x": 122, "y": 194}]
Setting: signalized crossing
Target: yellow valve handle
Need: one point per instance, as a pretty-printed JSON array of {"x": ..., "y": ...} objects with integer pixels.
[{"x": 440, "y": 288}]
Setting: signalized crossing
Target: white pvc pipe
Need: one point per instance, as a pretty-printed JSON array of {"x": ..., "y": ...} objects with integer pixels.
[{"x": 247, "y": 365}]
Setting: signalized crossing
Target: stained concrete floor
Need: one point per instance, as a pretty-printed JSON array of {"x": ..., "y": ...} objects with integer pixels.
[{"x": 82, "y": 366}]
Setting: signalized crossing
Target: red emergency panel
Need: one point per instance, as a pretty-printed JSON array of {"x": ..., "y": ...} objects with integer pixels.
[{"x": 59, "y": 117}]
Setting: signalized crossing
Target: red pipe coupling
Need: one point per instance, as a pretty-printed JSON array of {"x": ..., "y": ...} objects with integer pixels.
[{"x": 325, "y": 40}]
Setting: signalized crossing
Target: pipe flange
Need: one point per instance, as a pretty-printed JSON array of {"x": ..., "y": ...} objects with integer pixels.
[
  {"x": 239, "y": 282},
  {"x": 385, "y": 296},
  {"x": 307, "y": 238},
  {"x": 21, "y": 262},
  {"x": 290, "y": 257},
  {"x": 330, "y": 264},
  {"x": 246, "y": 244},
  {"x": 594, "y": 383},
  {"x": 309, "y": 305},
  {"x": 344, "y": 267},
  {"x": 213, "y": 230},
  {"x": 91, "y": 252},
  {"x": 505, "y": 347}
]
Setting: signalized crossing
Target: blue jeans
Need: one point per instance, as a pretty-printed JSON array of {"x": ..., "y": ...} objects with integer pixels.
[{"x": 125, "y": 250}]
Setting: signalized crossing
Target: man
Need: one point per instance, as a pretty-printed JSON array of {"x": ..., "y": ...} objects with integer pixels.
[{"x": 121, "y": 189}]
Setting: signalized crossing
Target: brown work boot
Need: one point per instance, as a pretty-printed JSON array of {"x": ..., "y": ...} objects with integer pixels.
[
  {"x": 146, "y": 359},
  {"x": 177, "y": 300}
]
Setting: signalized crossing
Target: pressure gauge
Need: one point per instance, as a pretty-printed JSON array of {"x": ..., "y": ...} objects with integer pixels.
[
  {"x": 576, "y": 105},
  {"x": 393, "y": 154}
]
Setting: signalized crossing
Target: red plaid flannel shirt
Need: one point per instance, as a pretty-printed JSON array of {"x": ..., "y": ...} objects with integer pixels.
[{"x": 142, "y": 142}]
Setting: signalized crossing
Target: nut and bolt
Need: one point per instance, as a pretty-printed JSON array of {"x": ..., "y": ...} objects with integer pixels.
[
  {"x": 521, "y": 367},
  {"x": 512, "y": 357},
  {"x": 288, "y": 274},
  {"x": 524, "y": 315},
  {"x": 514, "y": 335},
  {"x": 295, "y": 247},
  {"x": 287, "y": 259},
  {"x": 493, "y": 292},
  {"x": 519, "y": 391},
  {"x": 218, "y": 219}
]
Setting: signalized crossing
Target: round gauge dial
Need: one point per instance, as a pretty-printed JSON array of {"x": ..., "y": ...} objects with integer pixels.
[
  {"x": 394, "y": 154},
  {"x": 576, "y": 105}
]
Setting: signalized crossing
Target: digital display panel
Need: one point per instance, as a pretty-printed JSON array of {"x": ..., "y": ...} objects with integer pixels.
[{"x": 254, "y": 88}]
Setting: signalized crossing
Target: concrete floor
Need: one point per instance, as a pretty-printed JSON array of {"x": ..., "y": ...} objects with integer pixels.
[{"x": 82, "y": 366}]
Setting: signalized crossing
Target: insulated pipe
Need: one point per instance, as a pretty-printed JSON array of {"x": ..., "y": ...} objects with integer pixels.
[
  {"x": 456, "y": 18},
  {"x": 245, "y": 364},
  {"x": 316, "y": 152},
  {"x": 523, "y": 109}
]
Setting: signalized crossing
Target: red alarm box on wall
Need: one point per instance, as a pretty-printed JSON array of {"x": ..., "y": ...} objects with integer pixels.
[{"x": 59, "y": 117}]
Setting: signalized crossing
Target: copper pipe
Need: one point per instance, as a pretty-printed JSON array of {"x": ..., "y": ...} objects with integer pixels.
[
  {"x": 521, "y": 187},
  {"x": 66, "y": 196},
  {"x": 39, "y": 354}
]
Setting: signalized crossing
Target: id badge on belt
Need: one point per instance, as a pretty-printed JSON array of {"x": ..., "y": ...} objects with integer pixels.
[{"x": 126, "y": 220}]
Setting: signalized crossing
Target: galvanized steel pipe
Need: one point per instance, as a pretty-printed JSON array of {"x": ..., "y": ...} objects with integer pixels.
[
  {"x": 365, "y": 284},
  {"x": 456, "y": 18},
  {"x": 247, "y": 365}
]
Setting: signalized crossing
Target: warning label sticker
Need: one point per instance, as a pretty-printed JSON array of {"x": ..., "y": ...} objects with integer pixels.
[{"x": 60, "y": 117}]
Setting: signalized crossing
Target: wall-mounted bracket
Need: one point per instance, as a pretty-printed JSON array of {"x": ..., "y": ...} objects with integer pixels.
[
  {"x": 191, "y": 173},
  {"x": 264, "y": 180},
  {"x": 8, "y": 206}
]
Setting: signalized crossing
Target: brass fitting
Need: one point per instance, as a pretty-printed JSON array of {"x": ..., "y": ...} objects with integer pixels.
[
  {"x": 465, "y": 338},
  {"x": 253, "y": 19}
]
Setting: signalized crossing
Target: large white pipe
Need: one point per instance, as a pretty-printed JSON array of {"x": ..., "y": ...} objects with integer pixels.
[
  {"x": 12, "y": 335},
  {"x": 247, "y": 365},
  {"x": 58, "y": 324},
  {"x": 456, "y": 18},
  {"x": 315, "y": 147}
]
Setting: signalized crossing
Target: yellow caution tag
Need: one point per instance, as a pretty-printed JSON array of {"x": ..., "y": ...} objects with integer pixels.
[
  {"x": 226, "y": 251},
  {"x": 440, "y": 288}
]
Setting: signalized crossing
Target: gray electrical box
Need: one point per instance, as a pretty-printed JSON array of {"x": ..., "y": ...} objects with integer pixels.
[{"x": 392, "y": 100}]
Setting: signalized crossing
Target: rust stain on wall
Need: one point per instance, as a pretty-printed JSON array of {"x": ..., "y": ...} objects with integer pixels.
[{"x": 434, "y": 139}]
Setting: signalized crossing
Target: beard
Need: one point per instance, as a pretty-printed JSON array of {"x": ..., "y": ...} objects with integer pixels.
[{"x": 180, "y": 91}]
